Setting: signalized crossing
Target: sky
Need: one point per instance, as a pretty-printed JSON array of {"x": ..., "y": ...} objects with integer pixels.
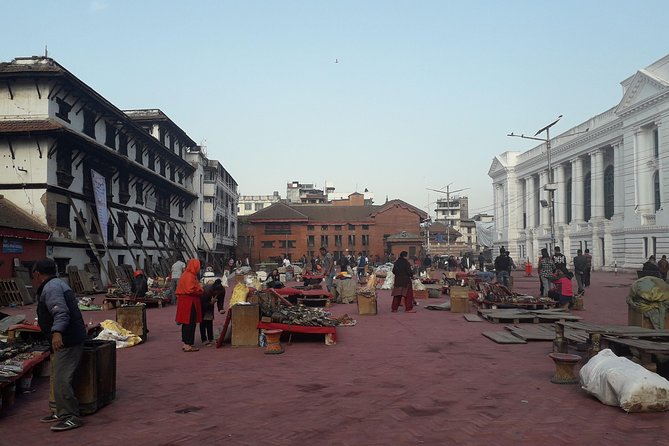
[{"x": 397, "y": 97}]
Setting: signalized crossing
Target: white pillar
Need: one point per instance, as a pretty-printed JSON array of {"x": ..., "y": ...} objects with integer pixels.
[
  {"x": 560, "y": 196},
  {"x": 577, "y": 189},
  {"x": 618, "y": 179},
  {"x": 597, "y": 183},
  {"x": 643, "y": 153},
  {"x": 530, "y": 202}
]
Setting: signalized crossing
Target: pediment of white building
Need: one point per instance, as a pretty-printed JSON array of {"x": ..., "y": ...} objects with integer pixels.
[
  {"x": 502, "y": 162},
  {"x": 643, "y": 86}
]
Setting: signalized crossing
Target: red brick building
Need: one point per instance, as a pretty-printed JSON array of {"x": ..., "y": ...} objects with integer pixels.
[
  {"x": 22, "y": 238},
  {"x": 297, "y": 230}
]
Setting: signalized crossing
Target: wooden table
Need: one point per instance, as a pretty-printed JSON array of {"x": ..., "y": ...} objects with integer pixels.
[
  {"x": 641, "y": 349},
  {"x": 329, "y": 332},
  {"x": 593, "y": 334}
]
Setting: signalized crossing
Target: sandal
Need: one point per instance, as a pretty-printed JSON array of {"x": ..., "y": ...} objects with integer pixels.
[{"x": 190, "y": 348}]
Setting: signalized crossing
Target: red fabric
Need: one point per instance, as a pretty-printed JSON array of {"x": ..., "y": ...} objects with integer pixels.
[
  {"x": 408, "y": 301},
  {"x": 312, "y": 276},
  {"x": 188, "y": 293},
  {"x": 299, "y": 328}
]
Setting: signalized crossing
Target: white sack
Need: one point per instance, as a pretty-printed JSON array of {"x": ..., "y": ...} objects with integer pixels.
[
  {"x": 617, "y": 381},
  {"x": 389, "y": 281}
]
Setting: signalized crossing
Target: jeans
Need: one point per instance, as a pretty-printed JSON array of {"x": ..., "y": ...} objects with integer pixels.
[
  {"x": 503, "y": 278},
  {"x": 64, "y": 363},
  {"x": 546, "y": 282}
]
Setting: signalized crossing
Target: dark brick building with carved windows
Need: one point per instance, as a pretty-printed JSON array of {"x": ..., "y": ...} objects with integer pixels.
[{"x": 297, "y": 230}]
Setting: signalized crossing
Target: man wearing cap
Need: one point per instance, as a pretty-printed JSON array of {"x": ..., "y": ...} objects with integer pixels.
[{"x": 60, "y": 320}]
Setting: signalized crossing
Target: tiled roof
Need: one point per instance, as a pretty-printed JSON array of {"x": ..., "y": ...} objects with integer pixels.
[
  {"x": 12, "y": 216},
  {"x": 405, "y": 236},
  {"x": 326, "y": 213},
  {"x": 21, "y": 126},
  {"x": 30, "y": 65}
]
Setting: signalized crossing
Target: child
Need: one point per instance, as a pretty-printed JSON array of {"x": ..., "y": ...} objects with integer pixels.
[{"x": 562, "y": 292}]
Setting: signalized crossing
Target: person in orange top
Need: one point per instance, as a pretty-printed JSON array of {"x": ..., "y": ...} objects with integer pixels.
[{"x": 189, "y": 309}]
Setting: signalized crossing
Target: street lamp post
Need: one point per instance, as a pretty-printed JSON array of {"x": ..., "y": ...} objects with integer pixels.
[
  {"x": 551, "y": 186},
  {"x": 448, "y": 203}
]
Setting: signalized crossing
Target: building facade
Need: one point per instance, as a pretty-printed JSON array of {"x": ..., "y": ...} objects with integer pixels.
[
  {"x": 301, "y": 230},
  {"x": 248, "y": 204},
  {"x": 610, "y": 179},
  {"x": 113, "y": 187}
]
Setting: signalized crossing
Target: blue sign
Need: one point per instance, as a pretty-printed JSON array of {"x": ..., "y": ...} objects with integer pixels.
[{"x": 12, "y": 246}]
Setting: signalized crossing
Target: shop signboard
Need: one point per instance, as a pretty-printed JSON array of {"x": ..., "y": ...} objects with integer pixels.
[{"x": 12, "y": 245}]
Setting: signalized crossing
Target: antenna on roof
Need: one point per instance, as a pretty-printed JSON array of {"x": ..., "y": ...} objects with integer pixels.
[{"x": 46, "y": 51}]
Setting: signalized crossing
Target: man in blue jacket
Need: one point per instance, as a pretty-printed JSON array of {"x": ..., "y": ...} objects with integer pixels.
[{"x": 61, "y": 321}]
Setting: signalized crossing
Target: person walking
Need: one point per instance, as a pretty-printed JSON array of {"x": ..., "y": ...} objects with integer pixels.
[
  {"x": 586, "y": 275},
  {"x": 663, "y": 266},
  {"x": 361, "y": 266},
  {"x": 402, "y": 287},
  {"x": 210, "y": 296},
  {"x": 580, "y": 265},
  {"x": 177, "y": 270},
  {"x": 61, "y": 322},
  {"x": 503, "y": 267},
  {"x": 545, "y": 269},
  {"x": 559, "y": 259},
  {"x": 189, "y": 308},
  {"x": 328, "y": 268},
  {"x": 481, "y": 261}
]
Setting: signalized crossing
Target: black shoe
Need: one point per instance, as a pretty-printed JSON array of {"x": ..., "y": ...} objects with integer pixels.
[
  {"x": 67, "y": 424},
  {"x": 50, "y": 418}
]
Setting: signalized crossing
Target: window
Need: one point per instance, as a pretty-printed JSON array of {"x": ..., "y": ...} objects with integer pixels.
[
  {"x": 656, "y": 189},
  {"x": 94, "y": 219},
  {"x": 365, "y": 227},
  {"x": 181, "y": 209},
  {"x": 139, "y": 192},
  {"x": 161, "y": 231},
  {"x": 324, "y": 241},
  {"x": 110, "y": 229},
  {"x": 139, "y": 153},
  {"x": 110, "y": 135},
  {"x": 150, "y": 229},
  {"x": 64, "y": 167},
  {"x": 89, "y": 123},
  {"x": 123, "y": 144},
  {"x": 121, "y": 259},
  {"x": 122, "y": 224},
  {"x": 310, "y": 227},
  {"x": 163, "y": 203},
  {"x": 656, "y": 143},
  {"x": 259, "y": 206},
  {"x": 608, "y": 192},
  {"x": 163, "y": 165},
  {"x": 337, "y": 227},
  {"x": 351, "y": 227},
  {"x": 587, "y": 197},
  {"x": 365, "y": 240},
  {"x": 311, "y": 242},
  {"x": 181, "y": 178},
  {"x": 338, "y": 240},
  {"x": 568, "y": 197},
  {"x": 172, "y": 172},
  {"x": 351, "y": 240},
  {"x": 152, "y": 161},
  {"x": 282, "y": 243},
  {"x": 324, "y": 227},
  {"x": 161, "y": 135},
  {"x": 63, "y": 110},
  {"x": 267, "y": 244},
  {"x": 123, "y": 187},
  {"x": 277, "y": 228},
  {"x": 138, "y": 232},
  {"x": 248, "y": 206}
]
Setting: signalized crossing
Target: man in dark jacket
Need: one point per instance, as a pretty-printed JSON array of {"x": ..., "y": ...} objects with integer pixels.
[
  {"x": 503, "y": 267},
  {"x": 580, "y": 266},
  {"x": 60, "y": 320}
]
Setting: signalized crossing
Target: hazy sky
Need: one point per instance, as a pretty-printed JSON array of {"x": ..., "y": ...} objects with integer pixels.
[{"x": 392, "y": 96}]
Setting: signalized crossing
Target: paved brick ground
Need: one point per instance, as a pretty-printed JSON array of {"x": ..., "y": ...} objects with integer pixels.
[{"x": 428, "y": 378}]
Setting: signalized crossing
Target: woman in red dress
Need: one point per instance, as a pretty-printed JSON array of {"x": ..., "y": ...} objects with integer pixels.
[{"x": 189, "y": 309}]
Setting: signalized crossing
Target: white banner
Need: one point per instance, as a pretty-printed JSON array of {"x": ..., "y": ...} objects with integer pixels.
[
  {"x": 100, "y": 193},
  {"x": 485, "y": 233}
]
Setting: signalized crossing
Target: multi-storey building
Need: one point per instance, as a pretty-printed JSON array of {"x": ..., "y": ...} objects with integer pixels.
[
  {"x": 298, "y": 230},
  {"x": 248, "y": 204},
  {"x": 297, "y": 192},
  {"x": 610, "y": 182},
  {"x": 112, "y": 186}
]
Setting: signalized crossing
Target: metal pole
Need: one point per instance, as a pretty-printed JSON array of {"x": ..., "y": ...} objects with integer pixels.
[
  {"x": 448, "y": 222},
  {"x": 551, "y": 192}
]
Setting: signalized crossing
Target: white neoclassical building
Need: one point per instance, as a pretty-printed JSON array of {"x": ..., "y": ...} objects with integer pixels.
[{"x": 610, "y": 180}]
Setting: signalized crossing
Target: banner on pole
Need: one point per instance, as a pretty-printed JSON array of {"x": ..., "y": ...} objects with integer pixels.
[{"x": 100, "y": 193}]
